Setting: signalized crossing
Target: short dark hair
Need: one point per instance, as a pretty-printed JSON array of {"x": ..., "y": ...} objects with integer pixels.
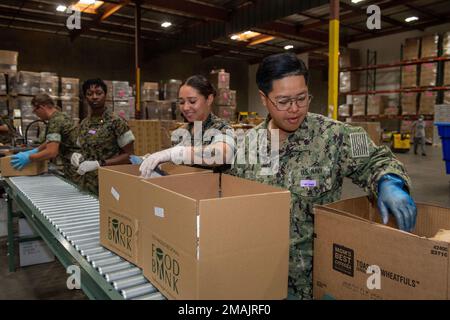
[
  {"x": 278, "y": 66},
  {"x": 201, "y": 84},
  {"x": 42, "y": 99},
  {"x": 94, "y": 82}
]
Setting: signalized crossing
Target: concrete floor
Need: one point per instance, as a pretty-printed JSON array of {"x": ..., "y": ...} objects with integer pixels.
[{"x": 48, "y": 281}]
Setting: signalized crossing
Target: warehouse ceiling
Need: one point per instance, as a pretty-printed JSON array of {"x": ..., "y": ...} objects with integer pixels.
[{"x": 207, "y": 27}]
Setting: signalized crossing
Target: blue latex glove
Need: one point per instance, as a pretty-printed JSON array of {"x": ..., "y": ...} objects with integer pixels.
[
  {"x": 394, "y": 199},
  {"x": 136, "y": 159},
  {"x": 20, "y": 160}
]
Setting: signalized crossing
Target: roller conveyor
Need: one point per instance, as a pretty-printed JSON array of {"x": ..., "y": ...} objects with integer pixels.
[{"x": 58, "y": 210}]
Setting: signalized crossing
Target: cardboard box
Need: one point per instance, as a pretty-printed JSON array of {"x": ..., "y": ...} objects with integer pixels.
[
  {"x": 150, "y": 91},
  {"x": 121, "y": 207},
  {"x": 446, "y": 73},
  {"x": 220, "y": 79},
  {"x": 447, "y": 97},
  {"x": 171, "y": 89},
  {"x": 359, "y": 105},
  {"x": 376, "y": 104},
  {"x": 409, "y": 76},
  {"x": 32, "y": 252},
  {"x": 427, "y": 102},
  {"x": 345, "y": 110},
  {"x": 446, "y": 44},
  {"x": 200, "y": 245},
  {"x": 428, "y": 73},
  {"x": 227, "y": 113},
  {"x": 70, "y": 88},
  {"x": 348, "y": 81},
  {"x": 8, "y": 61},
  {"x": 429, "y": 46},
  {"x": 224, "y": 97},
  {"x": 350, "y": 237},
  {"x": 49, "y": 84},
  {"x": 120, "y": 90},
  {"x": 71, "y": 107},
  {"x": 33, "y": 169},
  {"x": 411, "y": 49},
  {"x": 2, "y": 84},
  {"x": 373, "y": 129},
  {"x": 409, "y": 103},
  {"x": 349, "y": 58}
]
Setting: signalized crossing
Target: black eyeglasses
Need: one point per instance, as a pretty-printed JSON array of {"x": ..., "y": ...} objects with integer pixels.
[{"x": 284, "y": 104}]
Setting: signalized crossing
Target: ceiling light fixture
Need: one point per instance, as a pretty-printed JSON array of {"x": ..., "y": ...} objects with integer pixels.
[
  {"x": 61, "y": 8},
  {"x": 87, "y": 2},
  {"x": 234, "y": 37},
  {"x": 411, "y": 19},
  {"x": 288, "y": 47},
  {"x": 166, "y": 24},
  {"x": 357, "y": 1}
]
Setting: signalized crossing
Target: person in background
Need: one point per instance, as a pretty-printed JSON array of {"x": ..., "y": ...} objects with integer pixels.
[
  {"x": 104, "y": 138},
  {"x": 315, "y": 154},
  {"x": 196, "y": 96},
  {"x": 61, "y": 135},
  {"x": 418, "y": 132}
]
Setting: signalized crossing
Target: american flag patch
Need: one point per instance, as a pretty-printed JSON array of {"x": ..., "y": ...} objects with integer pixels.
[{"x": 359, "y": 145}]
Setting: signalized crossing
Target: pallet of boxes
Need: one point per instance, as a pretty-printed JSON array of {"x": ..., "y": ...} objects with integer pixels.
[
  {"x": 70, "y": 101},
  {"x": 225, "y": 100},
  {"x": 446, "y": 53}
]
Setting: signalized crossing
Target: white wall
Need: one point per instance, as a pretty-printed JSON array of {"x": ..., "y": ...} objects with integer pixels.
[{"x": 254, "y": 100}]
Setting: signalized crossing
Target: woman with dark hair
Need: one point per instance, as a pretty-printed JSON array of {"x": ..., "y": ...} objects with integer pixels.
[
  {"x": 195, "y": 97},
  {"x": 104, "y": 138}
]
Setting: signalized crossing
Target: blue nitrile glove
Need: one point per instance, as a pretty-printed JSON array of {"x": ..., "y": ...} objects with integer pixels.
[
  {"x": 20, "y": 160},
  {"x": 394, "y": 199},
  {"x": 136, "y": 159}
]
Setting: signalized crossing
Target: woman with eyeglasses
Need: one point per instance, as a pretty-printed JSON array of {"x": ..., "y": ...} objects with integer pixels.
[
  {"x": 315, "y": 154},
  {"x": 214, "y": 147}
]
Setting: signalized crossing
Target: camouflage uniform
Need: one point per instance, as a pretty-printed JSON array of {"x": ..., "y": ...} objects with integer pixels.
[
  {"x": 212, "y": 122},
  {"x": 61, "y": 129},
  {"x": 101, "y": 138},
  {"x": 312, "y": 164}
]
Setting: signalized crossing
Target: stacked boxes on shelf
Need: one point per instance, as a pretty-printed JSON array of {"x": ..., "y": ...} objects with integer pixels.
[
  {"x": 428, "y": 73},
  {"x": 169, "y": 110},
  {"x": 446, "y": 53},
  {"x": 25, "y": 83},
  {"x": 344, "y": 110},
  {"x": 409, "y": 76},
  {"x": 349, "y": 81},
  {"x": 376, "y": 104},
  {"x": 429, "y": 46},
  {"x": 8, "y": 61},
  {"x": 149, "y": 96},
  {"x": 70, "y": 101},
  {"x": 49, "y": 84},
  {"x": 411, "y": 49},
  {"x": 409, "y": 103},
  {"x": 359, "y": 108},
  {"x": 427, "y": 102},
  {"x": 3, "y": 96},
  {"x": 123, "y": 102},
  {"x": 225, "y": 100},
  {"x": 151, "y": 135}
]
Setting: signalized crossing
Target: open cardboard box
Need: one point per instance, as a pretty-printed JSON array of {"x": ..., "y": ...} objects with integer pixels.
[
  {"x": 198, "y": 243},
  {"x": 350, "y": 237},
  {"x": 121, "y": 206}
]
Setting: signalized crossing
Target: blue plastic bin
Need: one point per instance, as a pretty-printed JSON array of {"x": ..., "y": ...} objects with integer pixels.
[{"x": 444, "y": 133}]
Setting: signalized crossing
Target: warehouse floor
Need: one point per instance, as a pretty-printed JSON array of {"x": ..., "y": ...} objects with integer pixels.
[{"x": 48, "y": 281}]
